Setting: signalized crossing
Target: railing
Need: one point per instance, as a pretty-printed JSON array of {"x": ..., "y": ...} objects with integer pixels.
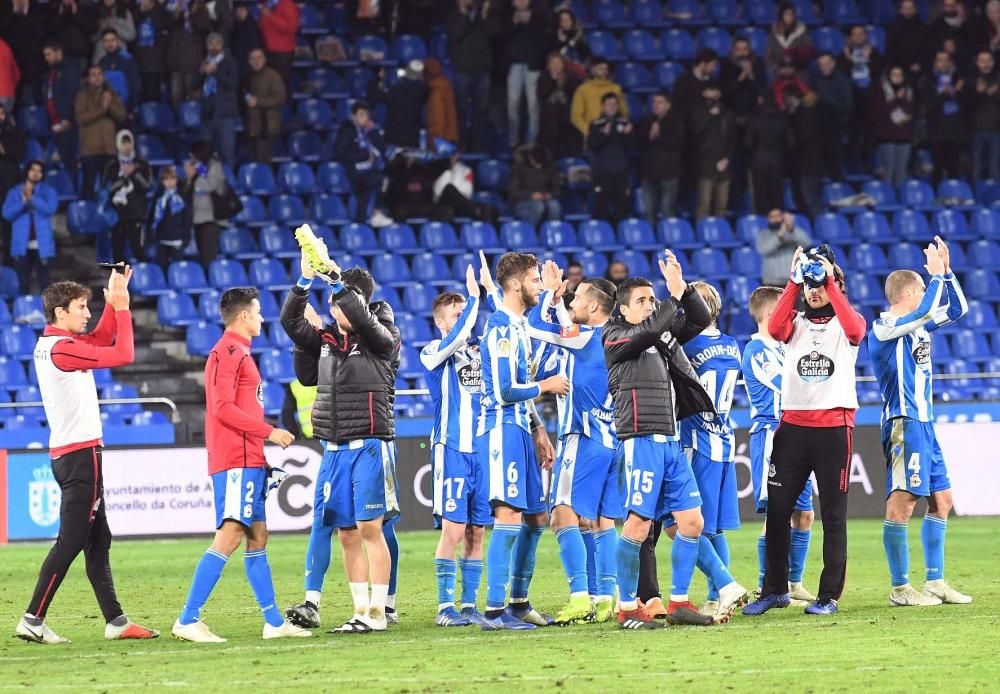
[{"x": 175, "y": 416}]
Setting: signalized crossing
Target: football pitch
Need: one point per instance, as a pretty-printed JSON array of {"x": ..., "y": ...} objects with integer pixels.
[{"x": 868, "y": 645}]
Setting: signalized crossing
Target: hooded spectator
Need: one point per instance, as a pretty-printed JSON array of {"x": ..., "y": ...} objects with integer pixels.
[
  {"x": 892, "y": 125},
  {"x": 588, "y": 99},
  {"x": 442, "y": 119},
  {"x": 98, "y": 112},
  {"x": 265, "y": 97},
  {"x": 127, "y": 179},
  {"x": 534, "y": 185},
  {"x": 556, "y": 87},
  {"x": 790, "y": 38}
]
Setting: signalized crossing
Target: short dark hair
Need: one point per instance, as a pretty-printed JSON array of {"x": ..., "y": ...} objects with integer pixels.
[
  {"x": 662, "y": 92},
  {"x": 574, "y": 263},
  {"x": 33, "y": 162},
  {"x": 444, "y": 300},
  {"x": 596, "y": 60},
  {"x": 603, "y": 292},
  {"x": 61, "y": 295},
  {"x": 359, "y": 279},
  {"x": 705, "y": 55},
  {"x": 624, "y": 293},
  {"x": 608, "y": 95},
  {"x": 513, "y": 266},
  {"x": 54, "y": 44},
  {"x": 201, "y": 150},
  {"x": 107, "y": 31},
  {"x": 360, "y": 106},
  {"x": 235, "y": 300}
]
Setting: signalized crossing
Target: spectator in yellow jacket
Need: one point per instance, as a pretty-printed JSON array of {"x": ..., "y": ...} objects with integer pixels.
[{"x": 586, "y": 104}]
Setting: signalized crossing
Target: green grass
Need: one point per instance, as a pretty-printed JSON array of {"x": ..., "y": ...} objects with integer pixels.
[{"x": 868, "y": 645}]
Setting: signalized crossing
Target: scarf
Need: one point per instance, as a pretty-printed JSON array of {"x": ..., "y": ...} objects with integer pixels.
[
  {"x": 147, "y": 33},
  {"x": 169, "y": 203},
  {"x": 211, "y": 84},
  {"x": 820, "y": 315}
]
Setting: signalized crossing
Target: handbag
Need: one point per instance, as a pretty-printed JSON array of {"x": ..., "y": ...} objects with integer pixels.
[{"x": 227, "y": 204}]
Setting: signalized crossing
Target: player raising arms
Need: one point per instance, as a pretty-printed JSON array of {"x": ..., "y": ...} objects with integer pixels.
[
  {"x": 504, "y": 444},
  {"x": 461, "y": 503},
  {"x": 900, "y": 347},
  {"x": 763, "y": 362},
  {"x": 65, "y": 357},
  {"x": 235, "y": 432},
  {"x": 585, "y": 482}
]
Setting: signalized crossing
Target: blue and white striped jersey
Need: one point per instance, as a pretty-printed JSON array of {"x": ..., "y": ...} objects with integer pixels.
[
  {"x": 900, "y": 349},
  {"x": 763, "y": 362},
  {"x": 578, "y": 352},
  {"x": 716, "y": 359},
  {"x": 508, "y": 388},
  {"x": 454, "y": 377}
]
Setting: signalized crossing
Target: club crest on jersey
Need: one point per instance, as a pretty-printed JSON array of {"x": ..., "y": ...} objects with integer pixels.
[
  {"x": 771, "y": 471},
  {"x": 44, "y": 497},
  {"x": 450, "y": 506},
  {"x": 815, "y": 367},
  {"x": 637, "y": 499},
  {"x": 512, "y": 490},
  {"x": 914, "y": 480},
  {"x": 922, "y": 353},
  {"x": 324, "y": 350},
  {"x": 503, "y": 347}
]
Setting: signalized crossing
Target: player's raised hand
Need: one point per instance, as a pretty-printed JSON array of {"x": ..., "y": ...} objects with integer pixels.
[
  {"x": 554, "y": 384},
  {"x": 827, "y": 266},
  {"x": 485, "y": 276},
  {"x": 116, "y": 293},
  {"x": 945, "y": 253},
  {"x": 281, "y": 437},
  {"x": 935, "y": 263},
  {"x": 672, "y": 272},
  {"x": 471, "y": 283},
  {"x": 312, "y": 318}
]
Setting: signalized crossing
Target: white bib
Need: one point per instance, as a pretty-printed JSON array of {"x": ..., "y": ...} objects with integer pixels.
[
  {"x": 70, "y": 398},
  {"x": 819, "y": 367}
]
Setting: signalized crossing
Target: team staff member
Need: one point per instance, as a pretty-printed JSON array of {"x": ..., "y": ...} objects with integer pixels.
[
  {"x": 819, "y": 400},
  {"x": 65, "y": 357}
]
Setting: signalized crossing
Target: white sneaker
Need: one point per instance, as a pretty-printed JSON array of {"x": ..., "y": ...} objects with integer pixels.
[
  {"x": 796, "y": 591},
  {"x": 39, "y": 634},
  {"x": 945, "y": 593},
  {"x": 731, "y": 598},
  {"x": 286, "y": 630},
  {"x": 128, "y": 630},
  {"x": 710, "y": 608},
  {"x": 907, "y": 596},
  {"x": 380, "y": 219},
  {"x": 375, "y": 618},
  {"x": 196, "y": 632}
]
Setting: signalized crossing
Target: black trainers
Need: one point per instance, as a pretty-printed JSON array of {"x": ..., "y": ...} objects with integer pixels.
[
  {"x": 686, "y": 613},
  {"x": 305, "y": 615}
]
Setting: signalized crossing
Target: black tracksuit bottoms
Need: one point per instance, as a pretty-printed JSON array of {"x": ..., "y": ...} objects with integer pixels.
[{"x": 797, "y": 452}]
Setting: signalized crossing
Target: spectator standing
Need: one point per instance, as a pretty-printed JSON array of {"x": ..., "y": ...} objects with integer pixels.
[
  {"x": 169, "y": 219},
  {"x": 245, "y": 36},
  {"x": 12, "y": 147},
  {"x": 836, "y": 100},
  {"x": 526, "y": 56},
  {"x": 806, "y": 162},
  {"x": 279, "y": 23},
  {"x": 741, "y": 78},
  {"x": 662, "y": 138},
  {"x": 690, "y": 85},
  {"x": 769, "y": 139},
  {"x": 10, "y": 77},
  {"x": 471, "y": 26},
  {"x": 128, "y": 179},
  {"x": 60, "y": 84},
  {"x": 219, "y": 101},
  {"x": 534, "y": 185},
  {"x": 952, "y": 23},
  {"x": 22, "y": 26},
  {"x": 609, "y": 140},
  {"x": 264, "y": 96},
  {"x": 28, "y": 208},
  {"x": 789, "y": 38},
  {"x": 715, "y": 141},
  {"x": 151, "y": 35},
  {"x": 984, "y": 110},
  {"x": 556, "y": 86},
  {"x": 113, "y": 14},
  {"x": 405, "y": 101},
  {"x": 941, "y": 96},
  {"x": 990, "y": 39},
  {"x": 776, "y": 245},
  {"x": 358, "y": 146},
  {"x": 442, "y": 117},
  {"x": 588, "y": 99},
  {"x": 185, "y": 50},
  {"x": 72, "y": 24},
  {"x": 120, "y": 69},
  {"x": 204, "y": 176},
  {"x": 862, "y": 63},
  {"x": 569, "y": 41},
  {"x": 905, "y": 42},
  {"x": 892, "y": 125},
  {"x": 98, "y": 112}
]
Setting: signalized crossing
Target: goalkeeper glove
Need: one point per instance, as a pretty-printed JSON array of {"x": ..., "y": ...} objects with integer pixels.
[{"x": 275, "y": 476}]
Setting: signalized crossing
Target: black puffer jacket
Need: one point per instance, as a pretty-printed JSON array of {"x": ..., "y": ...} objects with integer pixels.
[
  {"x": 646, "y": 364},
  {"x": 355, "y": 372}
]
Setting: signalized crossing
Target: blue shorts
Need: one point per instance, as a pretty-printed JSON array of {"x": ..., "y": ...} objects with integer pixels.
[
  {"x": 913, "y": 458},
  {"x": 460, "y": 493},
  {"x": 356, "y": 482},
  {"x": 586, "y": 479},
  {"x": 507, "y": 453},
  {"x": 720, "y": 503},
  {"x": 239, "y": 495},
  {"x": 761, "y": 443},
  {"x": 655, "y": 477}
]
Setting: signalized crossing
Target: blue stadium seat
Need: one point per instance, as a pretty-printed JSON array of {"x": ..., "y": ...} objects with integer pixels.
[
  {"x": 868, "y": 257},
  {"x": 637, "y": 234},
  {"x": 836, "y": 190},
  {"x": 988, "y": 191},
  {"x": 253, "y": 214},
  {"x": 28, "y": 310},
  {"x": 359, "y": 238},
  {"x": 388, "y": 295},
  {"x": 715, "y": 38},
  {"x": 372, "y": 50},
  {"x": 981, "y": 316},
  {"x": 883, "y": 193},
  {"x": 519, "y": 234},
  {"x": 256, "y": 179},
  {"x": 958, "y": 260},
  {"x": 315, "y": 114},
  {"x": 970, "y": 344},
  {"x": 833, "y": 228},
  {"x": 957, "y": 189},
  {"x": 634, "y": 77},
  {"x": 667, "y": 73},
  {"x": 5, "y": 318},
  {"x": 305, "y": 145},
  {"x": 187, "y": 276},
  {"x": 746, "y": 262},
  {"x": 982, "y": 284},
  {"x": 208, "y": 304},
  {"x": 311, "y": 22},
  {"x": 828, "y": 40},
  {"x": 276, "y": 365},
  {"x": 224, "y": 273},
  {"x": 439, "y": 237},
  {"x": 82, "y": 217},
  {"x": 865, "y": 289},
  {"x": 906, "y": 255},
  {"x": 687, "y": 11},
  {"x": 480, "y": 236},
  {"x": 606, "y": 45},
  {"x": 287, "y": 209},
  {"x": 716, "y": 232},
  {"x": 329, "y": 208},
  {"x": 274, "y": 398},
  {"x": 640, "y": 45},
  {"x": 407, "y": 47},
  {"x": 399, "y": 238},
  {"x": 418, "y": 298},
  {"x": 237, "y": 242},
  {"x": 637, "y": 262},
  {"x": 647, "y": 13},
  {"x": 201, "y": 338},
  {"x": 918, "y": 195},
  {"x": 189, "y": 115},
  {"x": 269, "y": 308},
  {"x": 29, "y": 393},
  {"x": 986, "y": 223},
  {"x": 911, "y": 225},
  {"x": 279, "y": 241},
  {"x": 327, "y": 83},
  {"x": 431, "y": 267},
  {"x": 842, "y": 12},
  {"x": 391, "y": 269},
  {"x": 176, "y": 309},
  {"x": 148, "y": 279},
  {"x": 951, "y": 225},
  {"x": 11, "y": 374},
  {"x": 738, "y": 289},
  {"x": 269, "y": 273},
  {"x": 986, "y": 254},
  {"x": 409, "y": 355},
  {"x": 414, "y": 330},
  {"x": 597, "y": 235},
  {"x": 760, "y": 12},
  {"x": 560, "y": 235},
  {"x": 63, "y": 184},
  {"x": 676, "y": 233},
  {"x": 492, "y": 174},
  {"x": 873, "y": 227},
  {"x": 677, "y": 44},
  {"x": 747, "y": 227},
  {"x": 150, "y": 148},
  {"x": 296, "y": 178},
  {"x": 610, "y": 13},
  {"x": 34, "y": 120},
  {"x": 710, "y": 262},
  {"x": 594, "y": 263}
]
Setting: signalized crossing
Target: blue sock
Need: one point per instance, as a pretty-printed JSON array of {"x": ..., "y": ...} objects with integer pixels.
[
  {"x": 445, "y": 570},
  {"x": 721, "y": 545},
  {"x": 498, "y": 558},
  {"x": 684, "y": 557},
  {"x": 318, "y": 555},
  {"x": 606, "y": 542},
  {"x": 472, "y": 574},
  {"x": 259, "y": 576},
  {"x": 389, "y": 532},
  {"x": 708, "y": 562},
  {"x": 206, "y": 575},
  {"x": 628, "y": 568},
  {"x": 797, "y": 552},
  {"x": 932, "y": 534},
  {"x": 573, "y": 553},
  {"x": 523, "y": 565},
  {"x": 897, "y": 551},
  {"x": 761, "y": 561},
  {"x": 591, "y": 545}
]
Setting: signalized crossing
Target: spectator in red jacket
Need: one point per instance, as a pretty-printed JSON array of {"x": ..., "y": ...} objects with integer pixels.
[
  {"x": 10, "y": 75},
  {"x": 279, "y": 22}
]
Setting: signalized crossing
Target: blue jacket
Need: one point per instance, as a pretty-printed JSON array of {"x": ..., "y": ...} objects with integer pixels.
[
  {"x": 64, "y": 87},
  {"x": 42, "y": 206},
  {"x": 122, "y": 62}
]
